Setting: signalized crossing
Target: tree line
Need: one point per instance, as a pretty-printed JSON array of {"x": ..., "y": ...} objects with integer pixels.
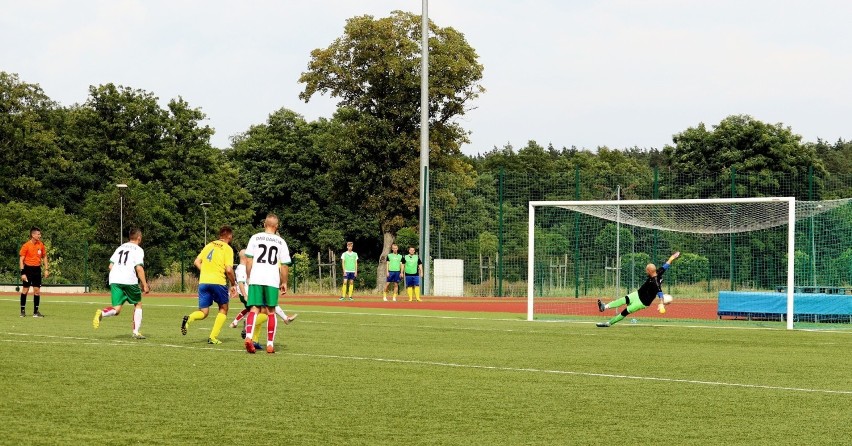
[{"x": 351, "y": 176}]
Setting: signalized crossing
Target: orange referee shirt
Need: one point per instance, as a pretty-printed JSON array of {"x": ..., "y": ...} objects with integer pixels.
[{"x": 33, "y": 251}]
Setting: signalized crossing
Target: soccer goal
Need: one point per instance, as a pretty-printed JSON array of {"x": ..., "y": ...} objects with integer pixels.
[{"x": 768, "y": 260}]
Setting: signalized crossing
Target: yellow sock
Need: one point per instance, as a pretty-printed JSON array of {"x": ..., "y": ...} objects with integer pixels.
[
  {"x": 217, "y": 326},
  {"x": 385, "y": 294},
  {"x": 259, "y": 320},
  {"x": 410, "y": 293},
  {"x": 417, "y": 293},
  {"x": 343, "y": 290},
  {"x": 196, "y": 315},
  {"x": 351, "y": 288}
]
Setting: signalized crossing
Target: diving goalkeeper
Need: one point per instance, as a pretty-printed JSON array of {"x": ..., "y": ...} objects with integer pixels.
[{"x": 643, "y": 297}]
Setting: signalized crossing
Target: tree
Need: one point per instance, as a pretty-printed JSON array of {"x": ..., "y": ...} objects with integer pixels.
[
  {"x": 283, "y": 165},
  {"x": 374, "y": 69},
  {"x": 30, "y": 159},
  {"x": 761, "y": 154}
]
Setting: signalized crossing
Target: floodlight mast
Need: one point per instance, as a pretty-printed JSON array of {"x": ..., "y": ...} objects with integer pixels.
[{"x": 424, "y": 146}]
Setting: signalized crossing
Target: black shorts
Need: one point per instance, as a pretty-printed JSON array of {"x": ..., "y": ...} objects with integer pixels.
[{"x": 33, "y": 274}]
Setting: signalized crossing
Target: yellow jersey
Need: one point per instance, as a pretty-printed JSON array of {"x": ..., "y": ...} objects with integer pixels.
[{"x": 215, "y": 257}]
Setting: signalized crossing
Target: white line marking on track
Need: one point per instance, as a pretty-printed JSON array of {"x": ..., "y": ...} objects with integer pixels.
[
  {"x": 147, "y": 343},
  {"x": 519, "y": 319}
]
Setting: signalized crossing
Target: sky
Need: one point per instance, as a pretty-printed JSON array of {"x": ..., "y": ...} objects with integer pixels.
[{"x": 615, "y": 73}]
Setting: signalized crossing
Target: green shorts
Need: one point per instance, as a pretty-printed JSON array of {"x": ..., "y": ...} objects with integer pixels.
[
  {"x": 125, "y": 293},
  {"x": 635, "y": 303},
  {"x": 262, "y": 296}
]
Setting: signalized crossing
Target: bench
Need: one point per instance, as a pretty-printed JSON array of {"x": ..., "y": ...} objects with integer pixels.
[
  {"x": 755, "y": 305},
  {"x": 816, "y": 289}
]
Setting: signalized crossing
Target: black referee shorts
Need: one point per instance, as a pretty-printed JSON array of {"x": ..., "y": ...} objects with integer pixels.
[{"x": 33, "y": 274}]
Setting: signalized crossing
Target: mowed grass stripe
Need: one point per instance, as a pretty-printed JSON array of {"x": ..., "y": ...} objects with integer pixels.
[{"x": 141, "y": 344}]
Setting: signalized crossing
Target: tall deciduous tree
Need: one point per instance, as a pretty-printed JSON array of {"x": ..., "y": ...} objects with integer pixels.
[
  {"x": 30, "y": 159},
  {"x": 374, "y": 69},
  {"x": 757, "y": 150}
]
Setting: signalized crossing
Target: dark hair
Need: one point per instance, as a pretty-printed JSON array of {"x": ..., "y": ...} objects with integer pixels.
[
  {"x": 225, "y": 231},
  {"x": 34, "y": 229},
  {"x": 134, "y": 233}
]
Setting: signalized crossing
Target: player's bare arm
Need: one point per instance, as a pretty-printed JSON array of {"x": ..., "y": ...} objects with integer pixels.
[
  {"x": 23, "y": 276},
  {"x": 140, "y": 271},
  {"x": 284, "y": 270}
]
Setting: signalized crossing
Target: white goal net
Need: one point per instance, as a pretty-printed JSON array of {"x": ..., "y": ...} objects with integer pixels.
[{"x": 740, "y": 258}]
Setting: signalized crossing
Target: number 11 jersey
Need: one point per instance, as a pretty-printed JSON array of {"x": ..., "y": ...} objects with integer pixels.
[
  {"x": 124, "y": 261},
  {"x": 268, "y": 252}
]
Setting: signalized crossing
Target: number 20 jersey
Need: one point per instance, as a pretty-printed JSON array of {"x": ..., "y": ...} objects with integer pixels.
[
  {"x": 124, "y": 261},
  {"x": 267, "y": 252}
]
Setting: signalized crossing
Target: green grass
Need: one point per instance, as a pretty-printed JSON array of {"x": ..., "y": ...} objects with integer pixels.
[{"x": 354, "y": 376}]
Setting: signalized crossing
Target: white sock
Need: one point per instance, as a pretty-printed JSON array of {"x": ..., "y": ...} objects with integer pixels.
[
  {"x": 606, "y": 306},
  {"x": 281, "y": 313},
  {"x": 109, "y": 313},
  {"x": 137, "y": 320}
]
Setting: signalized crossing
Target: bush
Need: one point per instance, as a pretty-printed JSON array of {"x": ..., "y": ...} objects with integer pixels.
[{"x": 691, "y": 268}]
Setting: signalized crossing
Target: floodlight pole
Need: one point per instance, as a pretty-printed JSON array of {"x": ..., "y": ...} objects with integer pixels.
[
  {"x": 204, "y": 207},
  {"x": 424, "y": 146},
  {"x": 121, "y": 188}
]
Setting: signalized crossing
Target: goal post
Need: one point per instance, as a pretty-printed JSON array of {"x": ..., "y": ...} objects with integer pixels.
[{"x": 729, "y": 216}]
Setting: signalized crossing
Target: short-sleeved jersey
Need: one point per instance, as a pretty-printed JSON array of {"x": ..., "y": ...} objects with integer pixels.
[
  {"x": 350, "y": 261},
  {"x": 411, "y": 261},
  {"x": 268, "y": 252},
  {"x": 124, "y": 261},
  {"x": 33, "y": 251},
  {"x": 394, "y": 262},
  {"x": 240, "y": 273},
  {"x": 215, "y": 257}
]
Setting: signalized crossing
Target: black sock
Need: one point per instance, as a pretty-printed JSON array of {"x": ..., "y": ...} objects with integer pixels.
[
  {"x": 36, "y": 299},
  {"x": 23, "y": 302}
]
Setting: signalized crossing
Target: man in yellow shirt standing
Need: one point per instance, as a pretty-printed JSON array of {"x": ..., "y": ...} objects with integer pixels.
[{"x": 215, "y": 263}]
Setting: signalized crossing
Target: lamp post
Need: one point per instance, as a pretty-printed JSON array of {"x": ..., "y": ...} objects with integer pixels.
[
  {"x": 204, "y": 207},
  {"x": 121, "y": 188}
]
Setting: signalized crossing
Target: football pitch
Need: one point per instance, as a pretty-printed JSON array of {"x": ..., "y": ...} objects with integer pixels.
[{"x": 345, "y": 375}]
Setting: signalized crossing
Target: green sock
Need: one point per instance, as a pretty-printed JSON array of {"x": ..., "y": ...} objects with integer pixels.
[
  {"x": 616, "y": 319},
  {"x": 618, "y": 302}
]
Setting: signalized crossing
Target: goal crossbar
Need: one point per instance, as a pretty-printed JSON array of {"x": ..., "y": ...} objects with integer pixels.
[{"x": 619, "y": 204}]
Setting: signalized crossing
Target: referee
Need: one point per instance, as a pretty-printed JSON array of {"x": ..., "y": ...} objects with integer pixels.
[{"x": 33, "y": 254}]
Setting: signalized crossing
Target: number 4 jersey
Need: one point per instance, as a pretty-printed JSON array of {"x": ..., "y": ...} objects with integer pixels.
[
  {"x": 268, "y": 252},
  {"x": 124, "y": 261}
]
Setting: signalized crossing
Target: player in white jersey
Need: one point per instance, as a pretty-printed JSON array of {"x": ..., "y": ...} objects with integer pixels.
[
  {"x": 268, "y": 269},
  {"x": 126, "y": 270},
  {"x": 242, "y": 278}
]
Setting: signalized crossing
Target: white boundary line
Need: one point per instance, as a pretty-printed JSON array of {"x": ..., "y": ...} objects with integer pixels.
[
  {"x": 146, "y": 343},
  {"x": 462, "y": 318}
]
